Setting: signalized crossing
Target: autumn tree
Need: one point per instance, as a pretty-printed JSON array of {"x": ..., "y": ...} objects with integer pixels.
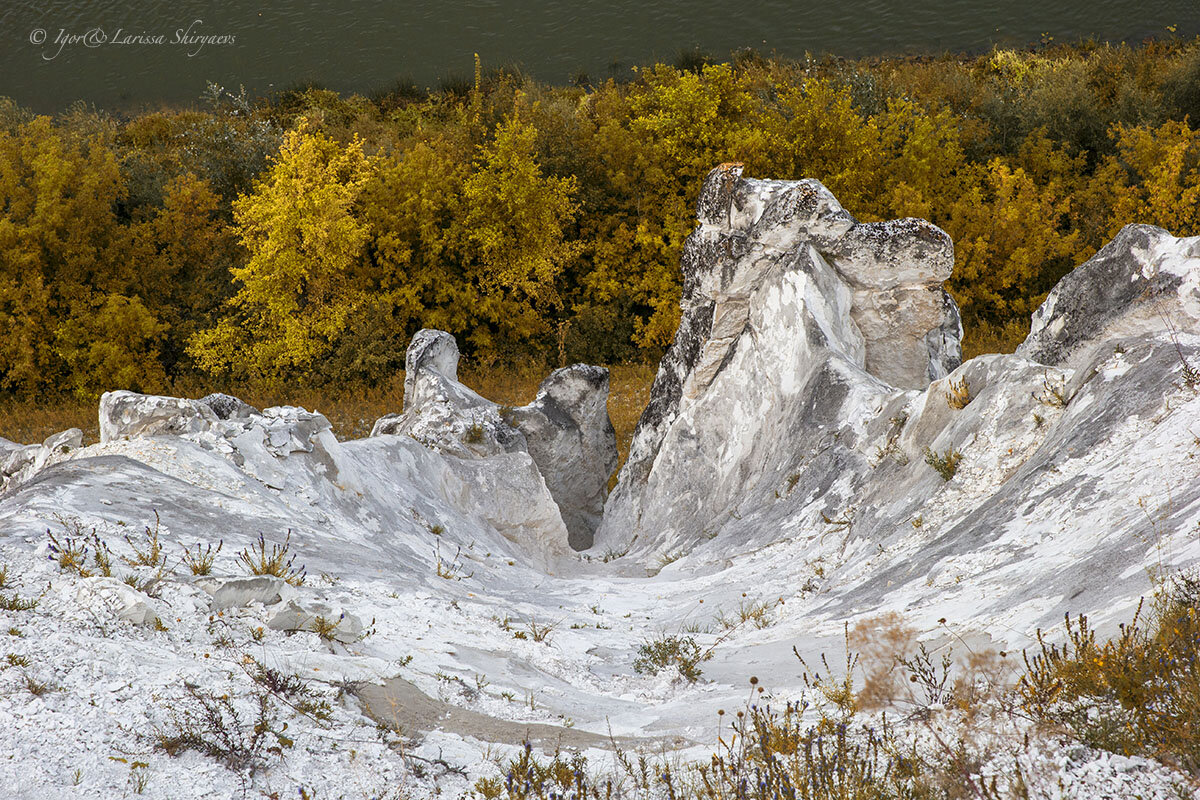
[
  {"x": 513, "y": 237},
  {"x": 300, "y": 283},
  {"x": 68, "y": 306}
]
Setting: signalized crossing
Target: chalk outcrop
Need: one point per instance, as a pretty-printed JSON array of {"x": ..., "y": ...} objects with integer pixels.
[
  {"x": 794, "y": 318},
  {"x": 442, "y": 413},
  {"x": 571, "y": 438},
  {"x": 129, "y": 415},
  {"x": 1143, "y": 281},
  {"x": 814, "y": 385},
  {"x": 19, "y": 463},
  {"x": 566, "y": 430}
]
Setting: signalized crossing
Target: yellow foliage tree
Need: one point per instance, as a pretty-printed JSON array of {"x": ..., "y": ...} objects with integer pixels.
[
  {"x": 115, "y": 345},
  {"x": 1012, "y": 243},
  {"x": 60, "y": 247},
  {"x": 183, "y": 252},
  {"x": 513, "y": 236},
  {"x": 300, "y": 284},
  {"x": 1163, "y": 164}
]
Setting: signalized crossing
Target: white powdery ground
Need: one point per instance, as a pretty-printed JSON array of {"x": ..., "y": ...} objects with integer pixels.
[{"x": 112, "y": 685}]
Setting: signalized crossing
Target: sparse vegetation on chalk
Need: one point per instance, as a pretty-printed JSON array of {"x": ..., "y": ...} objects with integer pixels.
[
  {"x": 1135, "y": 694},
  {"x": 958, "y": 395},
  {"x": 242, "y": 734},
  {"x": 945, "y": 463},
  {"x": 680, "y": 652},
  {"x": 278, "y": 561}
]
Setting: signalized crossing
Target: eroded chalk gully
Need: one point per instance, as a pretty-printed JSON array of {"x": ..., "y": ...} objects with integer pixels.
[{"x": 780, "y": 468}]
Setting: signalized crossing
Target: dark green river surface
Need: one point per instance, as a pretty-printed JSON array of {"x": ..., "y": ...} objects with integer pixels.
[{"x": 129, "y": 55}]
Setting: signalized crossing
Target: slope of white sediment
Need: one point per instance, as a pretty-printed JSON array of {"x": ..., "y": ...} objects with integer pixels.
[
  {"x": 772, "y": 470},
  {"x": 373, "y": 554}
]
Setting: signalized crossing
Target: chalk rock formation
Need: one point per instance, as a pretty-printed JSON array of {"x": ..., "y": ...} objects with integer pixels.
[
  {"x": 780, "y": 284},
  {"x": 571, "y": 439},
  {"x": 909, "y": 322},
  {"x": 770, "y": 420},
  {"x": 128, "y": 415},
  {"x": 1143, "y": 281},
  {"x": 440, "y": 412},
  {"x": 565, "y": 431},
  {"x": 334, "y": 623},
  {"x": 19, "y": 463},
  {"x": 115, "y": 597}
]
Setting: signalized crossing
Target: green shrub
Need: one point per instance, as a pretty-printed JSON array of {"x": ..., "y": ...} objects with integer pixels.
[
  {"x": 681, "y": 652},
  {"x": 945, "y": 464}
]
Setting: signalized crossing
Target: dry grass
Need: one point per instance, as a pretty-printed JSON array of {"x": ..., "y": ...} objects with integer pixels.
[
  {"x": 351, "y": 411},
  {"x": 29, "y": 421}
]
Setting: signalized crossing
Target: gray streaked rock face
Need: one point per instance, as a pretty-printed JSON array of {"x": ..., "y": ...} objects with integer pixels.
[
  {"x": 430, "y": 352},
  {"x": 565, "y": 431},
  {"x": 885, "y": 255},
  {"x": 909, "y": 323},
  {"x": 891, "y": 321},
  {"x": 1142, "y": 281},
  {"x": 229, "y": 407},
  {"x": 791, "y": 312},
  {"x": 572, "y": 441}
]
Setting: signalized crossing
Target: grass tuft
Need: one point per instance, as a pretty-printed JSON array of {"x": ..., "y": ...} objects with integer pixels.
[
  {"x": 945, "y": 464},
  {"x": 278, "y": 561}
]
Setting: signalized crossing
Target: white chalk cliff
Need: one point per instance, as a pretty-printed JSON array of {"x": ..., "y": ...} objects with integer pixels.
[{"x": 782, "y": 458}]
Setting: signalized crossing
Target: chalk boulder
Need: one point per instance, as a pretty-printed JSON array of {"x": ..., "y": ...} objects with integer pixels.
[
  {"x": 571, "y": 439},
  {"x": 1143, "y": 281},
  {"x": 128, "y": 415}
]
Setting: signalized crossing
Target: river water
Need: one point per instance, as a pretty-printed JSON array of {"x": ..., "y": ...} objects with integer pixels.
[{"x": 128, "y": 55}]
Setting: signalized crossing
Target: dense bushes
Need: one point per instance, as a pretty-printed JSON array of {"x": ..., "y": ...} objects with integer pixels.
[{"x": 307, "y": 238}]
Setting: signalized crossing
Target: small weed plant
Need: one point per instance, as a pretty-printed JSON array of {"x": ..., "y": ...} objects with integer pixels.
[
  {"x": 148, "y": 552},
  {"x": 451, "y": 570},
  {"x": 1054, "y": 392},
  {"x": 680, "y": 652},
  {"x": 14, "y": 603},
  {"x": 70, "y": 549},
  {"x": 753, "y": 612},
  {"x": 291, "y": 689},
  {"x": 213, "y": 725},
  {"x": 540, "y": 633},
  {"x": 958, "y": 395},
  {"x": 945, "y": 464},
  {"x": 200, "y": 561},
  {"x": 279, "y": 561}
]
